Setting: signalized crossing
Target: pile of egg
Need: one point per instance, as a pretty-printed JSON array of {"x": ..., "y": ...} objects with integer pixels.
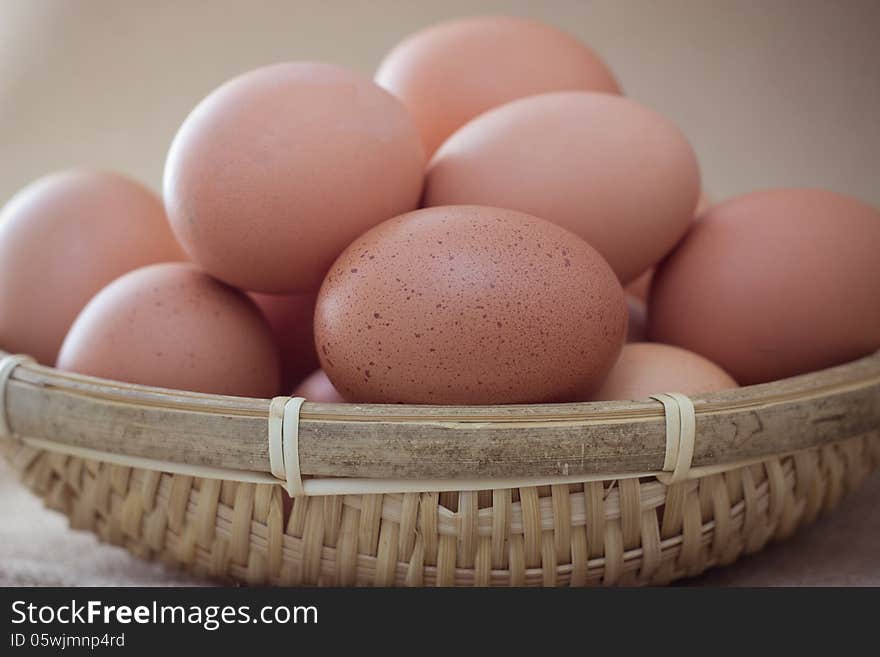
[{"x": 489, "y": 221}]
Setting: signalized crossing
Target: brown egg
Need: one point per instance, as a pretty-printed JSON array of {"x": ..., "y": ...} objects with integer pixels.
[
  {"x": 291, "y": 319},
  {"x": 468, "y": 305},
  {"x": 449, "y": 73},
  {"x": 173, "y": 326},
  {"x": 318, "y": 388},
  {"x": 774, "y": 284},
  {"x": 62, "y": 239},
  {"x": 274, "y": 173},
  {"x": 637, "y": 327},
  {"x": 647, "y": 368},
  {"x": 615, "y": 173}
]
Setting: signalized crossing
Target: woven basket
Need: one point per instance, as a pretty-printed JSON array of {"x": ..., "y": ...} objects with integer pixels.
[{"x": 562, "y": 494}]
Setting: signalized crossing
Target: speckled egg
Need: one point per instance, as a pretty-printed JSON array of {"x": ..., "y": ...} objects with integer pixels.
[
  {"x": 468, "y": 305},
  {"x": 173, "y": 326}
]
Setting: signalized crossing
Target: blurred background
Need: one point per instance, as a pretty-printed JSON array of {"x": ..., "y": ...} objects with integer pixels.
[{"x": 770, "y": 92}]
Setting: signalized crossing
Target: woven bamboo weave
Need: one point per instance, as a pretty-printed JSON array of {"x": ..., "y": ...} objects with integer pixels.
[
  {"x": 628, "y": 530},
  {"x": 616, "y": 533}
]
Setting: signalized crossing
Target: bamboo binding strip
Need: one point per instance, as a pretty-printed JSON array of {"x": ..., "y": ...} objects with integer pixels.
[
  {"x": 284, "y": 443},
  {"x": 680, "y": 436}
]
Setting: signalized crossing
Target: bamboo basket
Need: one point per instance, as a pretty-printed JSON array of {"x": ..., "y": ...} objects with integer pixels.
[{"x": 610, "y": 493}]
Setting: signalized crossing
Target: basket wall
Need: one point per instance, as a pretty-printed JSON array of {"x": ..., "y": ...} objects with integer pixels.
[{"x": 630, "y": 532}]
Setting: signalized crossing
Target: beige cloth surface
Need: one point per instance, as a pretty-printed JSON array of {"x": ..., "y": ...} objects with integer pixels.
[{"x": 38, "y": 549}]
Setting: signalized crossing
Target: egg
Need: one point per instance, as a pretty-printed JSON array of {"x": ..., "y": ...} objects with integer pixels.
[
  {"x": 317, "y": 388},
  {"x": 608, "y": 169},
  {"x": 646, "y": 368},
  {"x": 275, "y": 172},
  {"x": 291, "y": 319},
  {"x": 451, "y": 72},
  {"x": 173, "y": 326},
  {"x": 468, "y": 305},
  {"x": 774, "y": 284},
  {"x": 62, "y": 239},
  {"x": 637, "y": 327}
]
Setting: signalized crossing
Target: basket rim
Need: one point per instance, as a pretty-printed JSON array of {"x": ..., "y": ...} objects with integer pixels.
[{"x": 586, "y": 439}]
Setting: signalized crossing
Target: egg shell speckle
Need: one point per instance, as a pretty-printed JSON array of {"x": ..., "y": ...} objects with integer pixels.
[{"x": 468, "y": 305}]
